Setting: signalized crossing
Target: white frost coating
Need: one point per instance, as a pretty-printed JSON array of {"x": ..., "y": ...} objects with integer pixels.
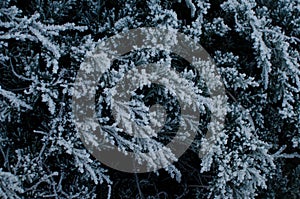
[
  {"x": 14, "y": 100},
  {"x": 191, "y": 6}
]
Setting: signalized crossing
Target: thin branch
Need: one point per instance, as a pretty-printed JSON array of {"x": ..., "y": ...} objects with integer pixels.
[
  {"x": 279, "y": 154},
  {"x": 138, "y": 186},
  {"x": 16, "y": 74}
]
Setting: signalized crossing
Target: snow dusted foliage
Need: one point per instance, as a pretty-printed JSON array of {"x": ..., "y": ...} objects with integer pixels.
[
  {"x": 255, "y": 46},
  {"x": 37, "y": 150}
]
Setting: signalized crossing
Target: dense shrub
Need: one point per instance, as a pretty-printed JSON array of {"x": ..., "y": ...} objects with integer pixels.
[{"x": 255, "y": 45}]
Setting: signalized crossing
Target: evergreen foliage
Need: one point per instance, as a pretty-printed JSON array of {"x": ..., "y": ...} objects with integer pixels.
[{"x": 255, "y": 45}]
